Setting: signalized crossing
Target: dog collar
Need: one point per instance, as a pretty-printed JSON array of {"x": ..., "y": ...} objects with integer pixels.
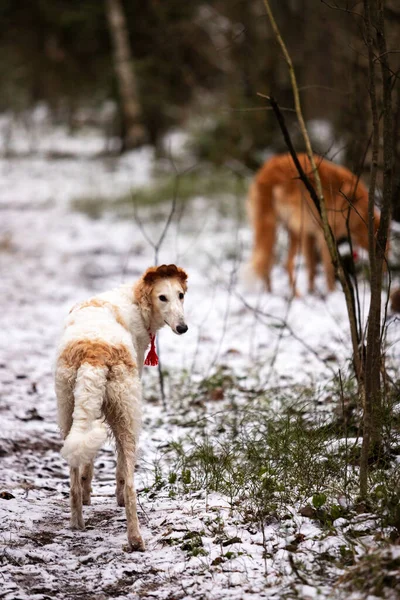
[{"x": 152, "y": 358}]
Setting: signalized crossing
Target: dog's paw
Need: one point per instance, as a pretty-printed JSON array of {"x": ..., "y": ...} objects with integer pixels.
[
  {"x": 86, "y": 500},
  {"x": 120, "y": 499},
  {"x": 77, "y": 525},
  {"x": 135, "y": 544}
]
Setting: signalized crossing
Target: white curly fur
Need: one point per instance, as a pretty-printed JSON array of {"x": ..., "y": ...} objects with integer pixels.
[
  {"x": 88, "y": 432},
  {"x": 100, "y": 382}
]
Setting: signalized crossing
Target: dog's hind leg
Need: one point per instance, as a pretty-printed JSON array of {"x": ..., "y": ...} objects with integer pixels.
[
  {"x": 122, "y": 410},
  {"x": 120, "y": 477},
  {"x": 86, "y": 481},
  {"x": 134, "y": 537},
  {"x": 76, "y": 499}
]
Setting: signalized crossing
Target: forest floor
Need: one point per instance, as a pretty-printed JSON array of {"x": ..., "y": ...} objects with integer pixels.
[{"x": 248, "y": 360}]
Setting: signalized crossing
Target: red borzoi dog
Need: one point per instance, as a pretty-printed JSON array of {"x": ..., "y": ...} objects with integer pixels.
[
  {"x": 278, "y": 196},
  {"x": 98, "y": 370}
]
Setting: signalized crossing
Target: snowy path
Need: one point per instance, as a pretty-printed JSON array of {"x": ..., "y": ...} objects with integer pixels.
[{"x": 50, "y": 258}]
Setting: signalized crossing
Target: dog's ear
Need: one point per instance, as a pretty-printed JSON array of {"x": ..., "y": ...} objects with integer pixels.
[
  {"x": 164, "y": 272},
  {"x": 182, "y": 276},
  {"x": 142, "y": 297},
  {"x": 151, "y": 275},
  {"x": 172, "y": 271},
  {"x": 167, "y": 271},
  {"x": 142, "y": 291}
]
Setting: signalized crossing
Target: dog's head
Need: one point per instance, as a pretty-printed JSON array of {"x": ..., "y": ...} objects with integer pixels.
[{"x": 160, "y": 293}]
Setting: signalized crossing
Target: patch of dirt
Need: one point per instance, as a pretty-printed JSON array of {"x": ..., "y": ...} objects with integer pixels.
[
  {"x": 38, "y": 447},
  {"x": 42, "y": 538}
]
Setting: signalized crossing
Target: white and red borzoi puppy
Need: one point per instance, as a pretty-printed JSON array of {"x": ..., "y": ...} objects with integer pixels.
[{"x": 98, "y": 370}]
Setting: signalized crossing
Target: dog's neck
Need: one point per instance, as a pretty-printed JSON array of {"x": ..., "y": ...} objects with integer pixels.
[
  {"x": 150, "y": 324},
  {"x": 148, "y": 321}
]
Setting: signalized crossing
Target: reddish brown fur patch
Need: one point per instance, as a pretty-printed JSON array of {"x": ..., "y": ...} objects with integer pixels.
[
  {"x": 98, "y": 303},
  {"x": 97, "y": 354}
]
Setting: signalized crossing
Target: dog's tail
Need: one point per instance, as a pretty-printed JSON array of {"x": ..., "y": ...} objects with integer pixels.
[
  {"x": 262, "y": 213},
  {"x": 88, "y": 431}
]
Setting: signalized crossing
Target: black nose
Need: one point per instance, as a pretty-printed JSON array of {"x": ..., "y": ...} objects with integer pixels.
[{"x": 182, "y": 328}]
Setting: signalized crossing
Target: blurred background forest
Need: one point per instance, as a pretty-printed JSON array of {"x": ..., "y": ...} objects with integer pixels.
[{"x": 141, "y": 69}]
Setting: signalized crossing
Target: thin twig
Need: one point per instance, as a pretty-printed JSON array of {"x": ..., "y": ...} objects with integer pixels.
[
  {"x": 296, "y": 570},
  {"x": 343, "y": 275},
  {"x": 157, "y": 247},
  {"x": 321, "y": 205},
  {"x": 284, "y": 324}
]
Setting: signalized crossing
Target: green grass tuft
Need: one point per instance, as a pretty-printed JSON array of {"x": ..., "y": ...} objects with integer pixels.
[{"x": 213, "y": 183}]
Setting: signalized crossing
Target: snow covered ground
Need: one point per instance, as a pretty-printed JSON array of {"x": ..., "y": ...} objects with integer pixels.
[{"x": 52, "y": 257}]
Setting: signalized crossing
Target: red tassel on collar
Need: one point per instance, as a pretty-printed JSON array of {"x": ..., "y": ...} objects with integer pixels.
[{"x": 152, "y": 358}]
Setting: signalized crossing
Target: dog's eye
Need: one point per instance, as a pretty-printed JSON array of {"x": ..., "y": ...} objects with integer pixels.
[
  {"x": 180, "y": 296},
  {"x": 163, "y": 298}
]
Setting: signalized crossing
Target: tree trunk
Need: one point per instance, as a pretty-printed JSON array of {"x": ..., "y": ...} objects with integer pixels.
[
  {"x": 373, "y": 417},
  {"x": 393, "y": 35},
  {"x": 133, "y": 131}
]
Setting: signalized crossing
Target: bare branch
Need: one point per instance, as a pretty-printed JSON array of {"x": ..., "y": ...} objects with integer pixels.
[{"x": 328, "y": 234}]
